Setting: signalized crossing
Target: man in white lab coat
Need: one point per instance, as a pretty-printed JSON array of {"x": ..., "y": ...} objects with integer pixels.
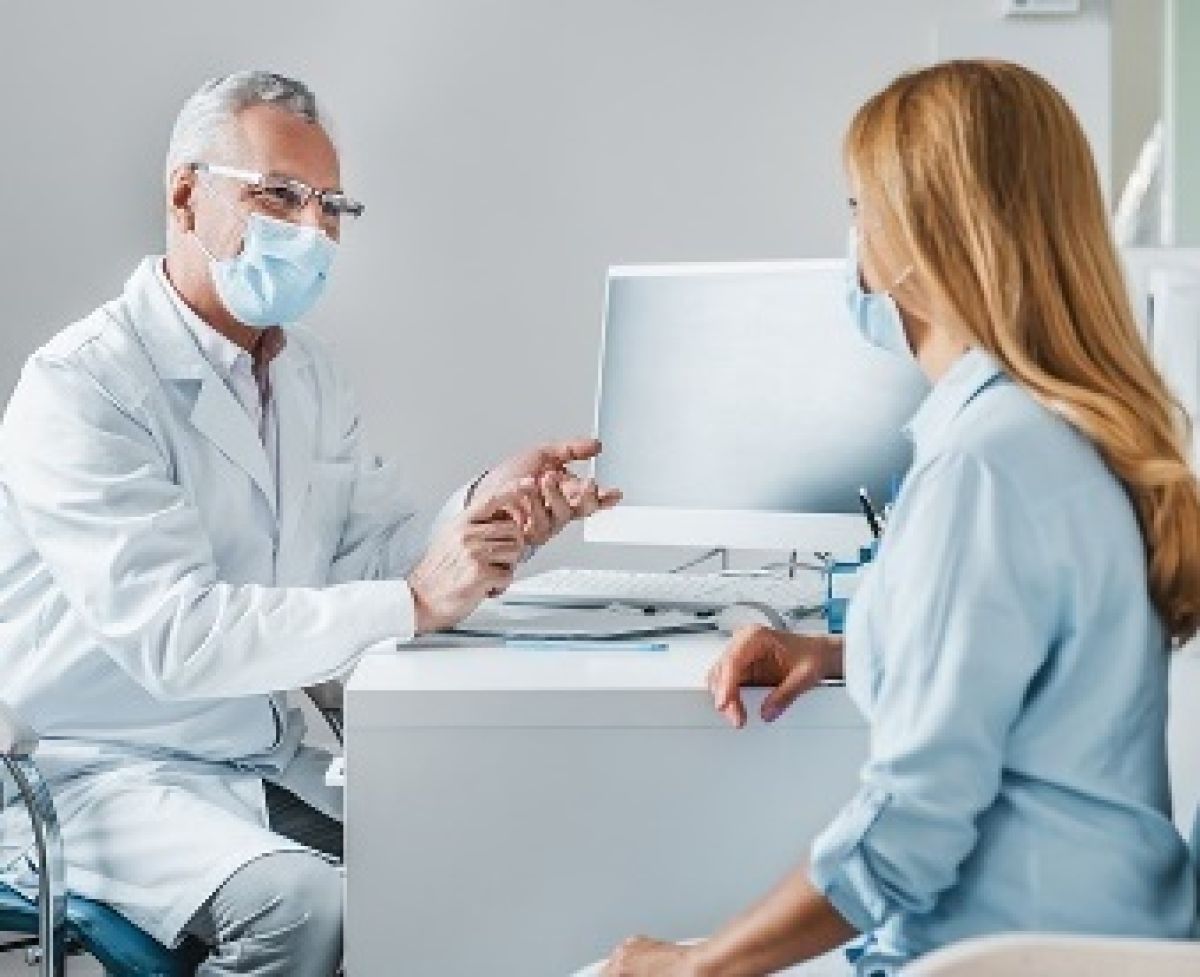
[{"x": 191, "y": 524}]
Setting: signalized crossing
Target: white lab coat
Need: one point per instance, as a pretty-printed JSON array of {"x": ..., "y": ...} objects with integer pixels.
[{"x": 156, "y": 600}]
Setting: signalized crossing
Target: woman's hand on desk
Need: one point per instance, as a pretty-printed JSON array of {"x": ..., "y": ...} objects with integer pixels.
[
  {"x": 789, "y": 664},
  {"x": 644, "y": 957}
]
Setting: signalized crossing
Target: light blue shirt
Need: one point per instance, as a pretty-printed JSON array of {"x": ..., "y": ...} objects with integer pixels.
[{"x": 1014, "y": 673}]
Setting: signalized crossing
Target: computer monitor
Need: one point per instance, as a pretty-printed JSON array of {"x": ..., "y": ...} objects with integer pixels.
[{"x": 740, "y": 408}]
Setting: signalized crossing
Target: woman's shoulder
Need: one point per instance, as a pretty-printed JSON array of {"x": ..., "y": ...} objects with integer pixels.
[{"x": 1049, "y": 465}]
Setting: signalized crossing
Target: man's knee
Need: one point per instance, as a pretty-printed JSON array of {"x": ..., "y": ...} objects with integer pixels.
[
  {"x": 315, "y": 899},
  {"x": 281, "y": 913}
]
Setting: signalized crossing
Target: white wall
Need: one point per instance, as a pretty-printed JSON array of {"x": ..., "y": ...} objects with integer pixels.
[
  {"x": 508, "y": 151},
  {"x": 1138, "y": 28}
]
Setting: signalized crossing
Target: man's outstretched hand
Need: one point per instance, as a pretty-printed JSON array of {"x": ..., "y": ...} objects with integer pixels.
[{"x": 557, "y": 495}]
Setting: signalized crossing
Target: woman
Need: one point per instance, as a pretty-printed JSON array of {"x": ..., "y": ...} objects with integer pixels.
[{"x": 1009, "y": 646}]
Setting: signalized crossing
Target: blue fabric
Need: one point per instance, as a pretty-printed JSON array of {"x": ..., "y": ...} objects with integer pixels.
[
  {"x": 1005, "y": 651},
  {"x": 120, "y": 947}
]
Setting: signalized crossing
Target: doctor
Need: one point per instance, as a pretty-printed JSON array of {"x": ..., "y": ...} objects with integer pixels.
[
  {"x": 192, "y": 523},
  {"x": 1009, "y": 646}
]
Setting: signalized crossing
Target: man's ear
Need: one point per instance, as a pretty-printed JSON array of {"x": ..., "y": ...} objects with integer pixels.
[{"x": 179, "y": 199}]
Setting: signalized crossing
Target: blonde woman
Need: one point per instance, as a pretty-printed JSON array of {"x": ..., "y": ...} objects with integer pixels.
[{"x": 1009, "y": 646}]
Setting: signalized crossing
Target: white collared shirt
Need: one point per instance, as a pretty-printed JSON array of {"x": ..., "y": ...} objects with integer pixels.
[{"x": 235, "y": 367}]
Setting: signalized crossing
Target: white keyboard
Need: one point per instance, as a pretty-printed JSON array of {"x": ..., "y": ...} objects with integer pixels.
[{"x": 570, "y": 587}]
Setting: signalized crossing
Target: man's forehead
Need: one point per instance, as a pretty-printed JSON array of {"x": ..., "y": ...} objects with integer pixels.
[{"x": 280, "y": 142}]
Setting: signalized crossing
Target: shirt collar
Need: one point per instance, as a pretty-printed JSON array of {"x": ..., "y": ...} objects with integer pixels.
[
  {"x": 967, "y": 376},
  {"x": 222, "y": 353}
]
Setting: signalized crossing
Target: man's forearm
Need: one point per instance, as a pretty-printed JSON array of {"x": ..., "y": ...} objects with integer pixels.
[{"x": 794, "y": 922}]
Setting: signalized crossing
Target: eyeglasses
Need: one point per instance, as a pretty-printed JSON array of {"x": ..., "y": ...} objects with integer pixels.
[{"x": 286, "y": 197}]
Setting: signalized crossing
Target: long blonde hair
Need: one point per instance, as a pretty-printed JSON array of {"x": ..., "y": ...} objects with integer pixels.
[{"x": 984, "y": 182}]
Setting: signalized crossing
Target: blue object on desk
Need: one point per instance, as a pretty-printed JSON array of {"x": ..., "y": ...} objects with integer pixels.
[
  {"x": 838, "y": 575},
  {"x": 573, "y": 644}
]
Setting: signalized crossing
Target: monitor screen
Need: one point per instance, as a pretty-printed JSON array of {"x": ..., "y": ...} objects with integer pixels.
[{"x": 745, "y": 389}]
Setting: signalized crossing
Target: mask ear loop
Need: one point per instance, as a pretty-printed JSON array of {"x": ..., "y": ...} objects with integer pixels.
[
  {"x": 901, "y": 278},
  {"x": 856, "y": 238},
  {"x": 229, "y": 207}
]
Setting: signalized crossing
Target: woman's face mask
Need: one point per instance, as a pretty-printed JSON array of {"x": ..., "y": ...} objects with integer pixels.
[
  {"x": 875, "y": 314},
  {"x": 277, "y": 276}
]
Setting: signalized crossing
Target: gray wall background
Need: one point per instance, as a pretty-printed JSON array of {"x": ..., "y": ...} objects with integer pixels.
[{"x": 508, "y": 152}]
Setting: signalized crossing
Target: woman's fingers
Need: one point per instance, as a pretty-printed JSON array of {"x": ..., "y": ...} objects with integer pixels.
[
  {"x": 735, "y": 669},
  {"x": 802, "y": 676}
]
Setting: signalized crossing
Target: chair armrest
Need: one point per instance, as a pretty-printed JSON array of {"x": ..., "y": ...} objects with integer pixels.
[
  {"x": 1048, "y": 955},
  {"x": 17, "y": 738}
]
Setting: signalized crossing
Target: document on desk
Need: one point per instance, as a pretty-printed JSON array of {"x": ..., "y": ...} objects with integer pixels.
[{"x": 593, "y": 624}]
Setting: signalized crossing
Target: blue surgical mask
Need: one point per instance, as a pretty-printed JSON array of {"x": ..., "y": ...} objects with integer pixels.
[
  {"x": 278, "y": 275},
  {"x": 875, "y": 314}
]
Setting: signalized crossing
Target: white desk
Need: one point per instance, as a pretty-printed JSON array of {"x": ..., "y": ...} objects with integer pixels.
[{"x": 513, "y": 813}]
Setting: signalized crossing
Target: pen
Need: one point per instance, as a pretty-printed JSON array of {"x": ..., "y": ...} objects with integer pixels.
[
  {"x": 543, "y": 644},
  {"x": 869, "y": 511}
]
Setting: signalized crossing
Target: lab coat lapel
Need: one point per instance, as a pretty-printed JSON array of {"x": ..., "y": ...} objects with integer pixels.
[
  {"x": 295, "y": 412},
  {"x": 219, "y": 417},
  {"x": 169, "y": 343}
]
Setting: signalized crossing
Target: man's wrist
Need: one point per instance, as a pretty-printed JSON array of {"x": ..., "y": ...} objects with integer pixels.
[{"x": 423, "y": 618}]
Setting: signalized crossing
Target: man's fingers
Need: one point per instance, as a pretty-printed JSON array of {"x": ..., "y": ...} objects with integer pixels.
[
  {"x": 554, "y": 500},
  {"x": 610, "y": 497},
  {"x": 587, "y": 498},
  {"x": 498, "y": 580},
  {"x": 538, "y": 526},
  {"x": 573, "y": 449},
  {"x": 512, "y": 504},
  {"x": 502, "y": 530},
  {"x": 506, "y": 552}
]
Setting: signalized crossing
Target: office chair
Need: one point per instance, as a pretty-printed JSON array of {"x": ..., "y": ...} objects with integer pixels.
[
  {"x": 59, "y": 923},
  {"x": 1060, "y": 956}
]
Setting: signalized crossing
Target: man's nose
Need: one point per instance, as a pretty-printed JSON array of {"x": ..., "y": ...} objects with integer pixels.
[{"x": 312, "y": 215}]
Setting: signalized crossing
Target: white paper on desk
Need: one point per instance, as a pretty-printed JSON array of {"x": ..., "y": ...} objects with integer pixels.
[{"x": 590, "y": 624}]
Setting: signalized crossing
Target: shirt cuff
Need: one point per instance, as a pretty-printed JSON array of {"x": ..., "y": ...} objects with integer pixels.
[
  {"x": 382, "y": 610},
  {"x": 838, "y": 866},
  {"x": 454, "y": 505}
]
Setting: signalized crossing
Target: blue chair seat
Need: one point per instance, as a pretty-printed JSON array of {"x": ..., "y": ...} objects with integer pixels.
[{"x": 119, "y": 946}]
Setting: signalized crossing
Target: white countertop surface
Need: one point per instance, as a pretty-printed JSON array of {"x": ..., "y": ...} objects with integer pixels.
[{"x": 485, "y": 684}]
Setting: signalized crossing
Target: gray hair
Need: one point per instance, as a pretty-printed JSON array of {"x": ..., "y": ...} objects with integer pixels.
[{"x": 207, "y": 116}]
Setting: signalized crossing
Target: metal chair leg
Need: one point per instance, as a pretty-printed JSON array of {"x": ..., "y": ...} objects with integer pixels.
[{"x": 52, "y": 894}]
